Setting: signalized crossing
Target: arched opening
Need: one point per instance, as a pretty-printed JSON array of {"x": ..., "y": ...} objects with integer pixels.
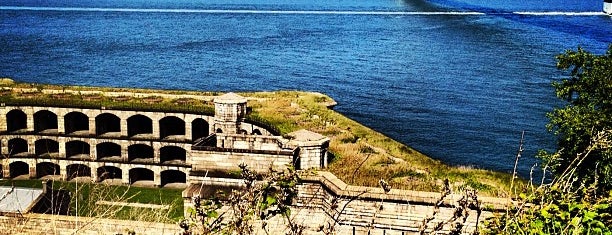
[
  {"x": 172, "y": 154},
  {"x": 141, "y": 176},
  {"x": 199, "y": 129},
  {"x": 45, "y": 120},
  {"x": 219, "y": 130},
  {"x": 47, "y": 168},
  {"x": 171, "y": 125},
  {"x": 17, "y": 147},
  {"x": 139, "y": 124},
  {"x": 19, "y": 169},
  {"x": 256, "y": 132},
  {"x": 108, "y": 151},
  {"x": 109, "y": 173},
  {"x": 75, "y": 122},
  {"x": 16, "y": 120},
  {"x": 77, "y": 170},
  {"x": 107, "y": 123},
  {"x": 77, "y": 149},
  {"x": 140, "y": 153},
  {"x": 46, "y": 148},
  {"x": 173, "y": 178}
]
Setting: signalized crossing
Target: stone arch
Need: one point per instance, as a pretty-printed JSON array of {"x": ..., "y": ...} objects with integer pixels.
[
  {"x": 45, "y": 120},
  {"x": 16, "y": 120},
  {"x": 173, "y": 176},
  {"x": 77, "y": 170},
  {"x": 108, "y": 150},
  {"x": 17, "y": 146},
  {"x": 77, "y": 149},
  {"x": 46, "y": 147},
  {"x": 256, "y": 132},
  {"x": 172, "y": 154},
  {"x": 106, "y": 123},
  {"x": 139, "y": 124},
  {"x": 141, "y": 174},
  {"x": 140, "y": 152},
  {"x": 18, "y": 168},
  {"x": 76, "y": 121},
  {"x": 47, "y": 168},
  {"x": 171, "y": 125},
  {"x": 199, "y": 128},
  {"x": 109, "y": 172}
]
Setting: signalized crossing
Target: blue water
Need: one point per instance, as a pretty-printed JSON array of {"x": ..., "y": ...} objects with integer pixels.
[{"x": 458, "y": 87}]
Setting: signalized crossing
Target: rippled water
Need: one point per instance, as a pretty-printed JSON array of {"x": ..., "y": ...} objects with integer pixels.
[{"x": 459, "y": 87}]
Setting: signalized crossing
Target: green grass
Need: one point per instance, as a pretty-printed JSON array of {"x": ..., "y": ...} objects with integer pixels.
[{"x": 87, "y": 194}]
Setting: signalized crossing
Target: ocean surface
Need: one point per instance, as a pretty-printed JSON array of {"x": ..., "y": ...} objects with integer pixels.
[{"x": 457, "y": 80}]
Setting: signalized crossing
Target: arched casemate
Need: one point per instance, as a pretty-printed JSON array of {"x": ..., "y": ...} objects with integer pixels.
[
  {"x": 77, "y": 170},
  {"x": 16, "y": 120},
  {"x": 141, "y": 175},
  {"x": 108, "y": 151},
  {"x": 108, "y": 173},
  {"x": 140, "y": 153},
  {"x": 139, "y": 124},
  {"x": 76, "y": 123},
  {"x": 17, "y": 147},
  {"x": 171, "y": 126},
  {"x": 172, "y": 154},
  {"x": 174, "y": 177},
  {"x": 45, "y": 121},
  {"x": 107, "y": 123},
  {"x": 199, "y": 129},
  {"x": 77, "y": 150},
  {"x": 47, "y": 169},
  {"x": 19, "y": 169},
  {"x": 46, "y": 148}
]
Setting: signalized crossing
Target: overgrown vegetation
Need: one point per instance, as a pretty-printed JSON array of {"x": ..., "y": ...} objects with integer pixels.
[
  {"x": 85, "y": 198},
  {"x": 262, "y": 198},
  {"x": 579, "y": 199}
]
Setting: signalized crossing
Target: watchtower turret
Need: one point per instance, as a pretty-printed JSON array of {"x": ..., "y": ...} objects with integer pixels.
[{"x": 230, "y": 110}]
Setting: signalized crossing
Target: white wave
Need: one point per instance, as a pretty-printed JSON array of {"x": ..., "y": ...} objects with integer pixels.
[
  {"x": 205, "y": 11},
  {"x": 558, "y": 13}
]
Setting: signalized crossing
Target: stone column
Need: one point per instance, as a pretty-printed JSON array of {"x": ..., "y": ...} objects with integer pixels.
[
  {"x": 125, "y": 174},
  {"x": 123, "y": 126},
  {"x": 4, "y": 146},
  {"x": 30, "y": 119},
  {"x": 156, "y": 175},
  {"x": 63, "y": 170},
  {"x": 61, "y": 127},
  {"x": 92, "y": 126}
]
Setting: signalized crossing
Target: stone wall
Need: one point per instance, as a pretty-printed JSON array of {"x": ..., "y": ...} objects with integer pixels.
[{"x": 323, "y": 200}]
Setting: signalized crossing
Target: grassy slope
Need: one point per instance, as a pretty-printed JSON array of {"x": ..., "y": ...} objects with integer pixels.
[{"x": 362, "y": 155}]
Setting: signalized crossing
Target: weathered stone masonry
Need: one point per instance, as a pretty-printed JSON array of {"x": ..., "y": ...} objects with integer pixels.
[{"x": 149, "y": 147}]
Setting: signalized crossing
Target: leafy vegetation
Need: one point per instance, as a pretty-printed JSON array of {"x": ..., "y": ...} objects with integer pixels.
[
  {"x": 579, "y": 199},
  {"x": 588, "y": 92}
]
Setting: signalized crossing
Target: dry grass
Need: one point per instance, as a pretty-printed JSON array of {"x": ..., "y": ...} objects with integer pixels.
[{"x": 364, "y": 156}]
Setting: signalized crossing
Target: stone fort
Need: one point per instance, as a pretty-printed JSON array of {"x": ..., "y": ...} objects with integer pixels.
[{"x": 194, "y": 150}]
